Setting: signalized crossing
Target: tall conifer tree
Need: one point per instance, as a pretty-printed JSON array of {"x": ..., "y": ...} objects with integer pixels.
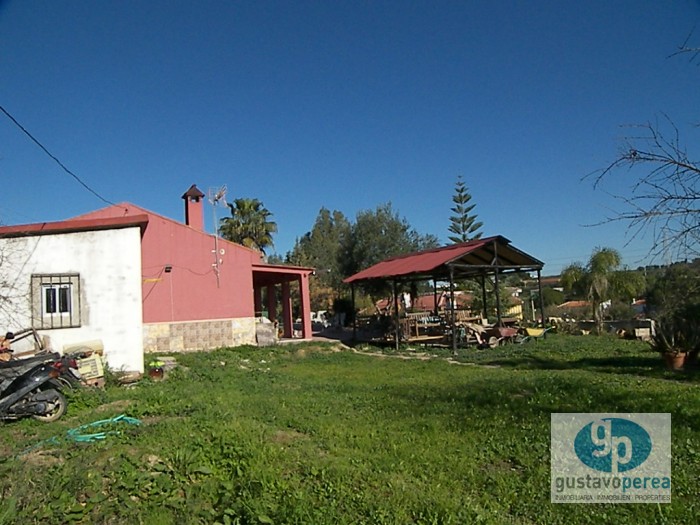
[{"x": 463, "y": 224}]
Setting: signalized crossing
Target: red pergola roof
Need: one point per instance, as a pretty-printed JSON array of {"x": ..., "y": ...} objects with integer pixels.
[{"x": 479, "y": 257}]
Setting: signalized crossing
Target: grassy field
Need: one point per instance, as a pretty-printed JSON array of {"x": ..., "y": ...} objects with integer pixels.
[{"x": 306, "y": 434}]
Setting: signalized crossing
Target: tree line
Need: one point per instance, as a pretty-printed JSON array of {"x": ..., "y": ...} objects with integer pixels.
[{"x": 338, "y": 246}]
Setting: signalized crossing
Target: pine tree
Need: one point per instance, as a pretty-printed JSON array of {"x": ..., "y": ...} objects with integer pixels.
[{"x": 464, "y": 226}]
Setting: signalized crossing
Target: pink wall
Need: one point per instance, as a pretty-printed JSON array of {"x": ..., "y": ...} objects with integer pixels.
[{"x": 189, "y": 291}]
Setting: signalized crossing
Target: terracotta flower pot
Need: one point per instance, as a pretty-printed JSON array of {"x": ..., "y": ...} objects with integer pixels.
[
  {"x": 675, "y": 361},
  {"x": 156, "y": 373}
]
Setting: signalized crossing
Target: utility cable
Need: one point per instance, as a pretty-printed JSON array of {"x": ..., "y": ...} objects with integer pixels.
[{"x": 69, "y": 172}]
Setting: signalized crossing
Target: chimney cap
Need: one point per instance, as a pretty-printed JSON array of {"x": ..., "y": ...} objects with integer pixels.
[{"x": 193, "y": 193}]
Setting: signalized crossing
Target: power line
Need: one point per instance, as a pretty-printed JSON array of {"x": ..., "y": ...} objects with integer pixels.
[{"x": 69, "y": 172}]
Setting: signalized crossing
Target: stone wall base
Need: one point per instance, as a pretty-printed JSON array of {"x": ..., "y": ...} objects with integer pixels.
[{"x": 191, "y": 336}]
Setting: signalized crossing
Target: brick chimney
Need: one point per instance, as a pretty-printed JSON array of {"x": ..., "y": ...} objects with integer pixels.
[{"x": 194, "y": 212}]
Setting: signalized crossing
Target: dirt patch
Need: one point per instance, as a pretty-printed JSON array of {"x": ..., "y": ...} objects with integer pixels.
[
  {"x": 15, "y": 436},
  {"x": 339, "y": 347},
  {"x": 304, "y": 351},
  {"x": 503, "y": 465},
  {"x": 453, "y": 362},
  {"x": 418, "y": 357},
  {"x": 152, "y": 460},
  {"x": 152, "y": 420},
  {"x": 41, "y": 458},
  {"x": 118, "y": 406},
  {"x": 422, "y": 356},
  {"x": 286, "y": 437},
  {"x": 523, "y": 394}
]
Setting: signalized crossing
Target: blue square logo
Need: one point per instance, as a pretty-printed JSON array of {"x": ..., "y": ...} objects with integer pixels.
[{"x": 610, "y": 458}]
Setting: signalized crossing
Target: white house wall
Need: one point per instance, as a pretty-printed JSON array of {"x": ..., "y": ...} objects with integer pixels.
[{"x": 109, "y": 265}]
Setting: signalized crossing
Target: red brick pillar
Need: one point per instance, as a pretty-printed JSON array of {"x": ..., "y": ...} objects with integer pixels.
[
  {"x": 305, "y": 306},
  {"x": 272, "y": 302}
]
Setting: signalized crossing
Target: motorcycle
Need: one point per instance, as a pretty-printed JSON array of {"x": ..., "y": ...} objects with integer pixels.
[{"x": 32, "y": 387}]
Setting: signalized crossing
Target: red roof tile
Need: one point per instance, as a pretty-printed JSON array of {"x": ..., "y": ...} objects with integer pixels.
[
  {"x": 74, "y": 225},
  {"x": 575, "y": 304}
]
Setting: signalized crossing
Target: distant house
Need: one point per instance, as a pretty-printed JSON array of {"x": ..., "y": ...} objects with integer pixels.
[
  {"x": 139, "y": 281},
  {"x": 640, "y": 307},
  {"x": 552, "y": 281},
  {"x": 426, "y": 302},
  {"x": 576, "y": 309},
  {"x": 571, "y": 305},
  {"x": 514, "y": 307}
]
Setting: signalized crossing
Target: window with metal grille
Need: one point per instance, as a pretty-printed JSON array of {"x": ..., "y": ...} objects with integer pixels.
[{"x": 55, "y": 300}]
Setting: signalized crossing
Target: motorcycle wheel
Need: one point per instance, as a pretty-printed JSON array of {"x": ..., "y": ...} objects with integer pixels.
[{"x": 57, "y": 405}]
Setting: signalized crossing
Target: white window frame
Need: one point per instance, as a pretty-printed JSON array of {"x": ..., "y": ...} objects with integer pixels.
[
  {"x": 63, "y": 309},
  {"x": 61, "y": 303}
]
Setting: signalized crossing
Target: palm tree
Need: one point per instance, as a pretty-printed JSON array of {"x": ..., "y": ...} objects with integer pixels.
[
  {"x": 249, "y": 224},
  {"x": 601, "y": 280}
]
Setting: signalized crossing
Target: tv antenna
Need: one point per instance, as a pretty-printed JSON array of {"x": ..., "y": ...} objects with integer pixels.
[{"x": 216, "y": 196}]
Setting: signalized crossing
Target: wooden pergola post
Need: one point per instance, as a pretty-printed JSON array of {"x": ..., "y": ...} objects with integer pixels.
[
  {"x": 396, "y": 315},
  {"x": 499, "y": 322},
  {"x": 541, "y": 301},
  {"x": 354, "y": 317},
  {"x": 484, "y": 310},
  {"x": 435, "y": 298},
  {"x": 452, "y": 310}
]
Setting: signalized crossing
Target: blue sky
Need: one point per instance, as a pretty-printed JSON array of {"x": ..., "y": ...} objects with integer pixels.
[{"x": 345, "y": 105}]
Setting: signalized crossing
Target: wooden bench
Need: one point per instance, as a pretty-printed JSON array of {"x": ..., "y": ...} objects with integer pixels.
[{"x": 420, "y": 326}]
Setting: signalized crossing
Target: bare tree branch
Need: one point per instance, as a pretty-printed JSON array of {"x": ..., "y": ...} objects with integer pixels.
[
  {"x": 664, "y": 201},
  {"x": 13, "y": 256},
  {"x": 684, "y": 49}
]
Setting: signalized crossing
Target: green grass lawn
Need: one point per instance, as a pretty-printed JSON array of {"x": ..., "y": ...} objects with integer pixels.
[{"x": 304, "y": 434}]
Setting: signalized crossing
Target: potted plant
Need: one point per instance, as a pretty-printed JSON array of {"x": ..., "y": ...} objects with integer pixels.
[{"x": 675, "y": 339}]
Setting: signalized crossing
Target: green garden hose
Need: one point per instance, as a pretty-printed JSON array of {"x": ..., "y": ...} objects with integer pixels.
[{"x": 78, "y": 434}]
